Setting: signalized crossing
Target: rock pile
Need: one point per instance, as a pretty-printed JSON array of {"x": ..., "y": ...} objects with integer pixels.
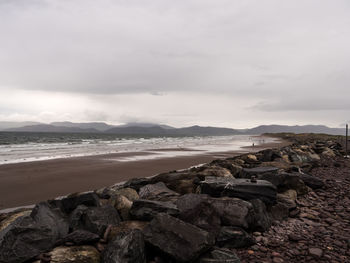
[{"x": 277, "y": 205}]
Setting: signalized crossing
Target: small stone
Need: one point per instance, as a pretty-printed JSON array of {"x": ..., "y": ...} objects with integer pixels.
[
  {"x": 256, "y": 234},
  {"x": 276, "y": 254},
  {"x": 294, "y": 237},
  {"x": 250, "y": 252},
  {"x": 315, "y": 252},
  {"x": 277, "y": 260}
]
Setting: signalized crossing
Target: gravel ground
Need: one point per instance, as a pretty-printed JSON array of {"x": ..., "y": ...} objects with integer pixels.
[{"x": 321, "y": 230}]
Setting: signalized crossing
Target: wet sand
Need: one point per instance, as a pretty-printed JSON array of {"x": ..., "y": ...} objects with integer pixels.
[{"x": 28, "y": 183}]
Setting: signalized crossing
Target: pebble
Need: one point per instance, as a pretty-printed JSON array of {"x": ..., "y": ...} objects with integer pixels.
[
  {"x": 315, "y": 252},
  {"x": 277, "y": 260}
]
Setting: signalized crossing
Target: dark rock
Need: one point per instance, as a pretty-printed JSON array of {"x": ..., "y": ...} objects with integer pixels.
[
  {"x": 229, "y": 165},
  {"x": 233, "y": 237},
  {"x": 80, "y": 237},
  {"x": 220, "y": 255},
  {"x": 285, "y": 181},
  {"x": 137, "y": 183},
  {"x": 28, "y": 236},
  {"x": 125, "y": 226},
  {"x": 269, "y": 155},
  {"x": 127, "y": 247},
  {"x": 7, "y": 218},
  {"x": 213, "y": 170},
  {"x": 69, "y": 203},
  {"x": 197, "y": 210},
  {"x": 94, "y": 219},
  {"x": 158, "y": 192},
  {"x": 179, "y": 181},
  {"x": 73, "y": 254},
  {"x": 110, "y": 192},
  {"x": 299, "y": 157},
  {"x": 261, "y": 220},
  {"x": 177, "y": 239},
  {"x": 311, "y": 181},
  {"x": 122, "y": 204},
  {"x": 233, "y": 211},
  {"x": 147, "y": 209},
  {"x": 288, "y": 198},
  {"x": 240, "y": 188},
  {"x": 75, "y": 218},
  {"x": 258, "y": 171},
  {"x": 51, "y": 217}
]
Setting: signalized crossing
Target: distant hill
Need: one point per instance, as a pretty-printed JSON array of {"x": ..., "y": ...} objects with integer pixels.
[
  {"x": 144, "y": 125},
  {"x": 100, "y": 126},
  {"x": 199, "y": 130},
  {"x": 295, "y": 129},
  {"x": 150, "y": 129},
  {"x": 52, "y": 128},
  {"x": 12, "y": 124},
  {"x": 159, "y": 130}
]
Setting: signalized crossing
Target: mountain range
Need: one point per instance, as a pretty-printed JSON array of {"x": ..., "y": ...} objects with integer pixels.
[{"x": 159, "y": 129}]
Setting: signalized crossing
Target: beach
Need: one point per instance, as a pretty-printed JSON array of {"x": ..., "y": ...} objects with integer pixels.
[{"x": 27, "y": 183}]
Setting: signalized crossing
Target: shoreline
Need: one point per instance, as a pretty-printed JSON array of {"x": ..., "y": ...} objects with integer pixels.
[{"x": 26, "y": 183}]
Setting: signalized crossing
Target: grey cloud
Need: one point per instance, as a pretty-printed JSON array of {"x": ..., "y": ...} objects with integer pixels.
[
  {"x": 313, "y": 104},
  {"x": 292, "y": 56},
  {"x": 160, "y": 46}
]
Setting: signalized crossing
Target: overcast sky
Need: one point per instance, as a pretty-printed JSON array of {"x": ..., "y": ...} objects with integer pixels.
[{"x": 219, "y": 62}]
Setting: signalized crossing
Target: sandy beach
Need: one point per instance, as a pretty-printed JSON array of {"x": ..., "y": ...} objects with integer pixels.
[{"x": 30, "y": 182}]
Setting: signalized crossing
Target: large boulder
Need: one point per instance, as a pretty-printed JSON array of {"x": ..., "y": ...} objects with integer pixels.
[
  {"x": 229, "y": 164},
  {"x": 146, "y": 210},
  {"x": 209, "y": 213},
  {"x": 288, "y": 198},
  {"x": 258, "y": 171},
  {"x": 79, "y": 237},
  {"x": 178, "y": 181},
  {"x": 110, "y": 192},
  {"x": 213, "y": 170},
  {"x": 261, "y": 221},
  {"x": 234, "y": 237},
  {"x": 233, "y": 211},
  {"x": 311, "y": 181},
  {"x": 74, "y": 254},
  {"x": 125, "y": 226},
  {"x": 137, "y": 183},
  {"x": 69, "y": 203},
  {"x": 269, "y": 155},
  {"x": 127, "y": 247},
  {"x": 7, "y": 219},
  {"x": 129, "y": 193},
  {"x": 28, "y": 236},
  {"x": 123, "y": 205},
  {"x": 181, "y": 241},
  {"x": 197, "y": 210},
  {"x": 94, "y": 219},
  {"x": 240, "y": 188},
  {"x": 158, "y": 192},
  {"x": 285, "y": 181}
]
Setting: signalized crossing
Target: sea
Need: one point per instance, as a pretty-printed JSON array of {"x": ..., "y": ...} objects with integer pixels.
[{"x": 18, "y": 147}]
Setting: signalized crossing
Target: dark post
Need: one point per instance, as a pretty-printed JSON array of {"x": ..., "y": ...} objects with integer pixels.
[{"x": 346, "y": 142}]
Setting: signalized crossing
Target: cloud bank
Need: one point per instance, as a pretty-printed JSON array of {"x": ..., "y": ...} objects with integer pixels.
[{"x": 273, "y": 61}]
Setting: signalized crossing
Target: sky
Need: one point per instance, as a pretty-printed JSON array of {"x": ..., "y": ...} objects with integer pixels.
[{"x": 221, "y": 63}]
